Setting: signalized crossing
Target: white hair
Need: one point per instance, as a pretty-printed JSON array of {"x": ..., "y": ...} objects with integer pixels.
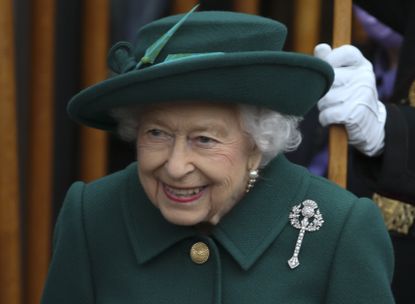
[{"x": 272, "y": 132}]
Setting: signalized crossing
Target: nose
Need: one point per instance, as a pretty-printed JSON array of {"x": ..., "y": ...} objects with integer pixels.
[{"x": 179, "y": 164}]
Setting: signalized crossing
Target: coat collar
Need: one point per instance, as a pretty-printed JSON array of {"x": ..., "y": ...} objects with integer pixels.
[{"x": 245, "y": 232}]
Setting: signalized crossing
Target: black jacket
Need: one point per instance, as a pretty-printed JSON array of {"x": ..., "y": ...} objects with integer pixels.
[{"x": 393, "y": 173}]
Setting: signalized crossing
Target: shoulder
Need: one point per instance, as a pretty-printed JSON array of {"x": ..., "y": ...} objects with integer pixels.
[
  {"x": 106, "y": 184},
  {"x": 333, "y": 201},
  {"x": 99, "y": 197},
  {"x": 111, "y": 184},
  {"x": 354, "y": 230},
  {"x": 340, "y": 208},
  {"x": 336, "y": 200},
  {"x": 356, "y": 220},
  {"x": 347, "y": 217},
  {"x": 328, "y": 189},
  {"x": 94, "y": 214}
]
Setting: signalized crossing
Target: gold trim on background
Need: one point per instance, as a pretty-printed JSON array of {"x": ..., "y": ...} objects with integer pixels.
[
  {"x": 398, "y": 216},
  {"x": 411, "y": 94}
]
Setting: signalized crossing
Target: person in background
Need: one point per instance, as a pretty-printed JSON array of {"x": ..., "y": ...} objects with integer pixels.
[{"x": 381, "y": 131}]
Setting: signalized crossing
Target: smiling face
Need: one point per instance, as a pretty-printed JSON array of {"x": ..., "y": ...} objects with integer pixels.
[{"x": 194, "y": 160}]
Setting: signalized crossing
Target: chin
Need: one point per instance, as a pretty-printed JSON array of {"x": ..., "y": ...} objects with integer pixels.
[{"x": 182, "y": 218}]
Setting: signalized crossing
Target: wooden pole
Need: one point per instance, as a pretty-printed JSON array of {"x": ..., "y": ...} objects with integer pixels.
[
  {"x": 247, "y": 6},
  {"x": 40, "y": 145},
  {"x": 183, "y": 6},
  {"x": 95, "y": 42},
  {"x": 10, "y": 252},
  {"x": 306, "y": 25},
  {"x": 338, "y": 145}
]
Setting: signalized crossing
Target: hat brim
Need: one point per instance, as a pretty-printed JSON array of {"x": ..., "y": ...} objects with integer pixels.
[{"x": 289, "y": 83}]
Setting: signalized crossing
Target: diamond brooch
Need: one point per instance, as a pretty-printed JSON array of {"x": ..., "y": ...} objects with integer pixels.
[{"x": 306, "y": 217}]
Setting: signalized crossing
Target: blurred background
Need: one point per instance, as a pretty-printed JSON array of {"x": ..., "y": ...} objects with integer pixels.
[{"x": 51, "y": 49}]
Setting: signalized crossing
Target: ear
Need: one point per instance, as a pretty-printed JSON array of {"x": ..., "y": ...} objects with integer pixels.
[{"x": 254, "y": 158}]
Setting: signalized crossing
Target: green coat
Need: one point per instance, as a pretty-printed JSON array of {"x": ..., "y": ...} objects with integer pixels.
[{"x": 112, "y": 245}]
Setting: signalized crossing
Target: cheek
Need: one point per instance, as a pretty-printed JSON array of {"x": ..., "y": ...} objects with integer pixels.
[
  {"x": 149, "y": 161},
  {"x": 230, "y": 170},
  {"x": 227, "y": 194},
  {"x": 231, "y": 155},
  {"x": 149, "y": 182},
  {"x": 150, "y": 156},
  {"x": 143, "y": 157}
]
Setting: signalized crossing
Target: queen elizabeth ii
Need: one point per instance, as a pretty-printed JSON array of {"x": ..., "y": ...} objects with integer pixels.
[{"x": 212, "y": 211}]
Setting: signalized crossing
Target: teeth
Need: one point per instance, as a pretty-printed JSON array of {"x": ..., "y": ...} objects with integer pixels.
[{"x": 184, "y": 192}]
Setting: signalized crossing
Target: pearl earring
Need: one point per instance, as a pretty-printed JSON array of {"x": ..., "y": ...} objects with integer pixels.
[{"x": 253, "y": 175}]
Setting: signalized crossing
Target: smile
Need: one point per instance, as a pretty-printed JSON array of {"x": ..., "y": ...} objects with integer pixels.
[{"x": 183, "y": 195}]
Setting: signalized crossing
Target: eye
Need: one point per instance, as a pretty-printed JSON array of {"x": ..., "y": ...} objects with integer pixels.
[
  {"x": 157, "y": 134},
  {"x": 205, "y": 141}
]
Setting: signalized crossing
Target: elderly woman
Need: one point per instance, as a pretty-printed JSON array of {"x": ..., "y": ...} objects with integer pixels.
[{"x": 212, "y": 212}]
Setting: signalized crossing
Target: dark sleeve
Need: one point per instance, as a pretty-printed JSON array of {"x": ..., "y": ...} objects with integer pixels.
[
  {"x": 69, "y": 279},
  {"x": 363, "y": 262},
  {"x": 397, "y": 174},
  {"x": 393, "y": 173}
]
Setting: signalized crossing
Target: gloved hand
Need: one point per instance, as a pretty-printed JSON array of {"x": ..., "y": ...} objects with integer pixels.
[{"x": 353, "y": 100}]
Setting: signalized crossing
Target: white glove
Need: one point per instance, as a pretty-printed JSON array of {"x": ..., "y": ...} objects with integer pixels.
[{"x": 353, "y": 100}]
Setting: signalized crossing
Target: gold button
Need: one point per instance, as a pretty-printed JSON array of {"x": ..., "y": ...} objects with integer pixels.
[{"x": 199, "y": 253}]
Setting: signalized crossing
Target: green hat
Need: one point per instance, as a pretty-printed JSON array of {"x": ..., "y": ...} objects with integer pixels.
[{"x": 205, "y": 56}]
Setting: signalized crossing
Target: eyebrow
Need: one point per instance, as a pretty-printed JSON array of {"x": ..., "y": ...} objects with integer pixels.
[{"x": 215, "y": 128}]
